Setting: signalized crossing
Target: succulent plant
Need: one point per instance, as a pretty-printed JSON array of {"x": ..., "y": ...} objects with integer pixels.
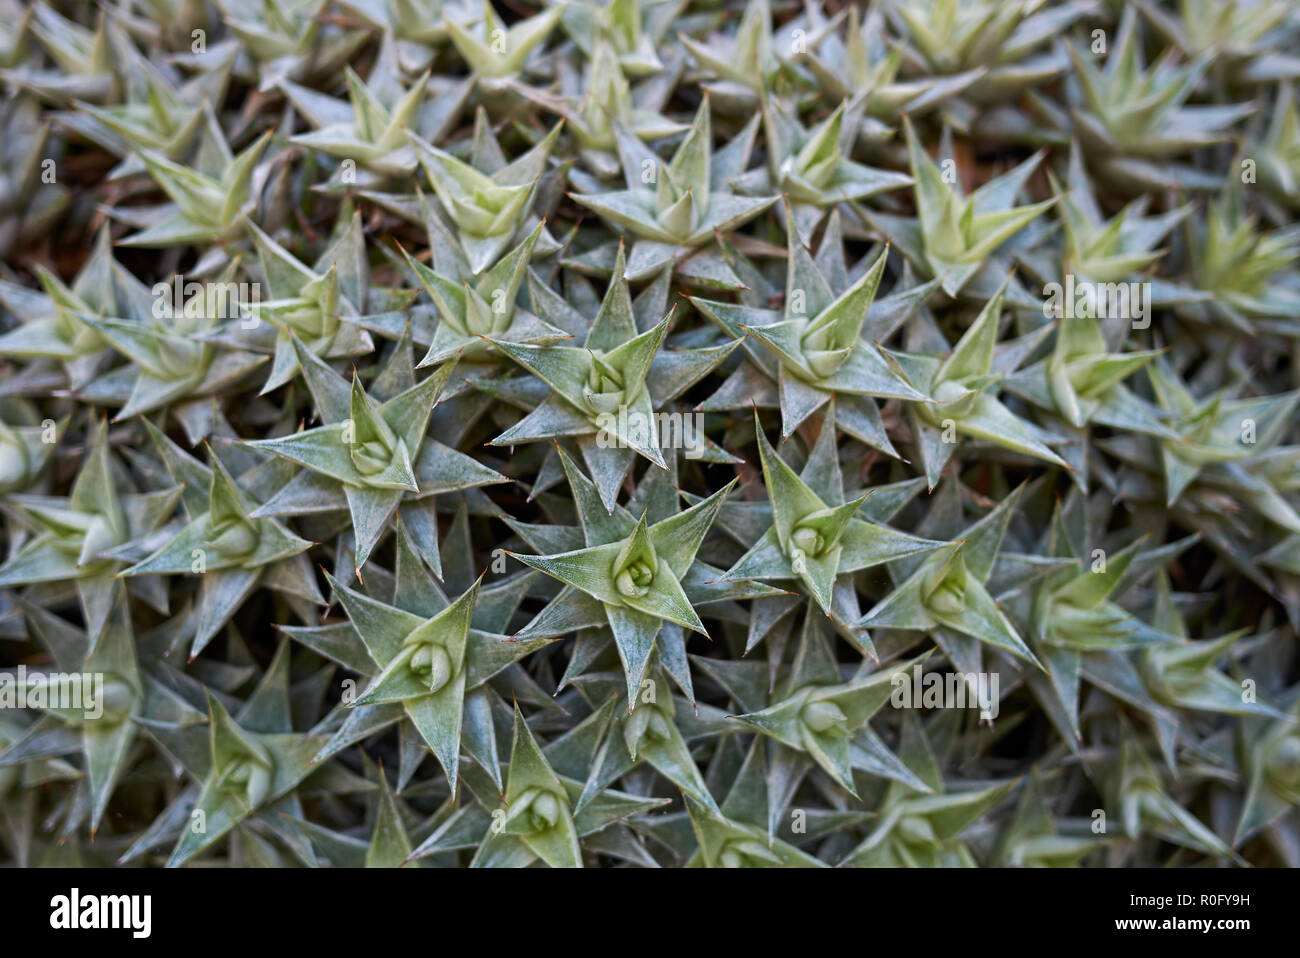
[
  {"x": 959, "y": 399},
  {"x": 287, "y": 41},
  {"x": 863, "y": 64},
  {"x": 1133, "y": 119},
  {"x": 374, "y": 134},
  {"x": 159, "y": 112},
  {"x": 674, "y": 208},
  {"x": 368, "y": 453},
  {"x": 818, "y": 347},
  {"x": 1279, "y": 148},
  {"x": 814, "y": 536},
  {"x": 955, "y": 238},
  {"x": 1000, "y": 42},
  {"x": 75, "y": 537},
  {"x": 630, "y": 573},
  {"x": 649, "y": 433},
  {"x": 490, "y": 211},
  {"x": 607, "y": 98},
  {"x": 494, "y": 52},
  {"x": 600, "y": 392},
  {"x": 83, "y": 59},
  {"x": 56, "y": 324},
  {"x": 207, "y": 202},
  {"x": 1245, "y": 35},
  {"x": 25, "y": 212},
  {"x": 224, "y": 543},
  {"x": 1241, "y": 266}
]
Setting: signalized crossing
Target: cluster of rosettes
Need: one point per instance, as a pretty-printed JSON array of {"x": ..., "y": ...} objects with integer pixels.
[{"x": 649, "y": 432}]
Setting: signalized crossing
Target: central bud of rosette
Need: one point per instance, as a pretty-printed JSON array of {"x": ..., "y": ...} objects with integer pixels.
[
  {"x": 427, "y": 658},
  {"x": 489, "y": 316},
  {"x": 806, "y": 541},
  {"x": 235, "y": 536},
  {"x": 945, "y": 591},
  {"x": 745, "y": 853},
  {"x": 248, "y": 774},
  {"x": 374, "y": 448},
  {"x": 812, "y": 537},
  {"x": 676, "y": 208},
  {"x": 181, "y": 360},
  {"x": 371, "y": 457},
  {"x": 647, "y": 724},
  {"x": 954, "y": 401},
  {"x": 539, "y": 808},
  {"x": 825, "y": 718},
  {"x": 822, "y": 349},
  {"x": 118, "y": 698},
  {"x": 635, "y": 568},
  {"x": 314, "y": 313},
  {"x": 605, "y": 389},
  {"x": 635, "y": 579},
  {"x": 490, "y": 210}
]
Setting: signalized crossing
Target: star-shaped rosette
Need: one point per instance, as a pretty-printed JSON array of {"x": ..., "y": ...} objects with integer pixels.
[
  {"x": 630, "y": 575},
  {"x": 25, "y": 450},
  {"x": 956, "y": 238},
  {"x": 105, "y": 677},
  {"x": 1134, "y": 786},
  {"x": 630, "y": 29},
  {"x": 373, "y": 452},
  {"x": 1133, "y": 120},
  {"x": 417, "y": 27},
  {"x": 865, "y": 63},
  {"x": 815, "y": 537},
  {"x": 77, "y": 537},
  {"x": 946, "y": 592},
  {"x": 1082, "y": 380},
  {"x": 601, "y": 393},
  {"x": 428, "y": 655},
  {"x": 605, "y": 97},
  {"x": 170, "y": 361},
  {"x": 961, "y": 395},
  {"x": 1183, "y": 674},
  {"x": 676, "y": 208},
  {"x": 470, "y": 309},
  {"x": 317, "y": 305},
  {"x": 923, "y": 830},
  {"x": 208, "y": 202},
  {"x": 245, "y": 766},
  {"x": 489, "y": 201},
  {"x": 83, "y": 59},
  {"x": 370, "y": 128},
  {"x": 495, "y": 53},
  {"x": 999, "y": 44},
  {"x": 818, "y": 713},
  {"x": 1082, "y": 383},
  {"x": 813, "y": 167},
  {"x": 739, "y": 70},
  {"x": 740, "y": 832},
  {"x": 54, "y": 324},
  {"x": 552, "y": 795},
  {"x": 1208, "y": 432},
  {"x": 158, "y": 112},
  {"x": 1076, "y": 626},
  {"x": 815, "y": 348},
  {"x": 290, "y": 40},
  {"x": 232, "y": 551}
]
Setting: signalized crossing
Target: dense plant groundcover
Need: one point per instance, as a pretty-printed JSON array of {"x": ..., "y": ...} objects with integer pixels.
[{"x": 649, "y": 432}]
